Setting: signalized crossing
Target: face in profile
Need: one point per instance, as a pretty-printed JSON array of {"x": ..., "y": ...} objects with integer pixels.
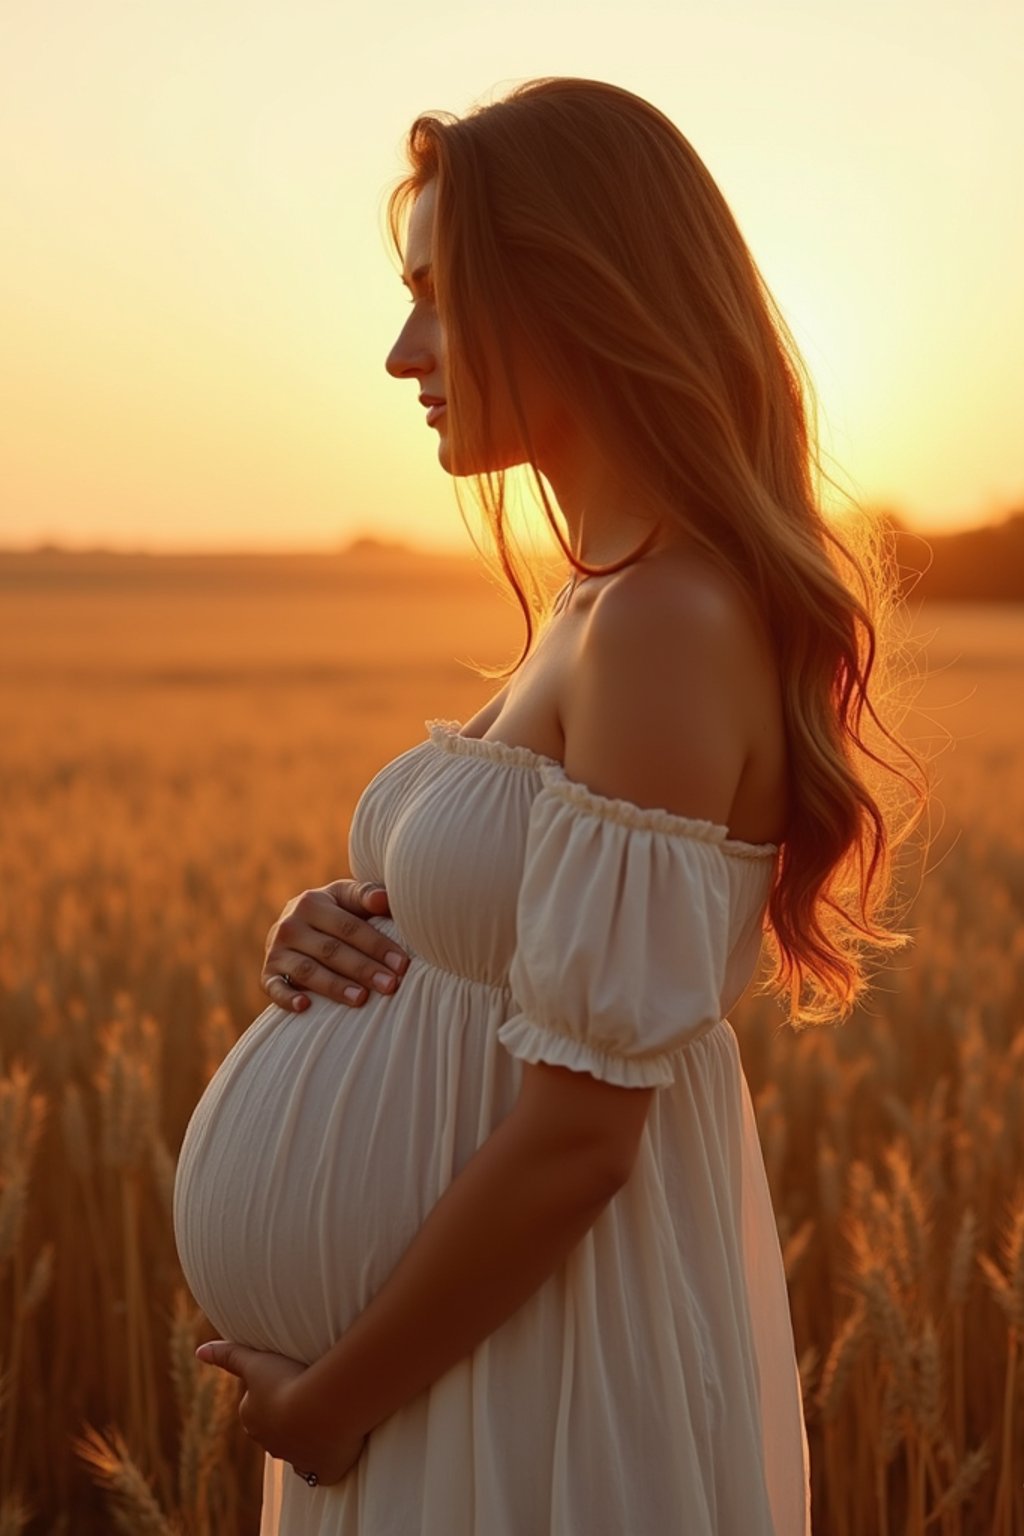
[{"x": 420, "y": 353}]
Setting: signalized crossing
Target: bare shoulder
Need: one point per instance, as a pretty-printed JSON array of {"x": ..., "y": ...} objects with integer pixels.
[
  {"x": 658, "y": 710},
  {"x": 684, "y": 585}
]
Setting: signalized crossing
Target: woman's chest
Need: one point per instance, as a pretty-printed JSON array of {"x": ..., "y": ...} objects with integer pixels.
[
  {"x": 448, "y": 842},
  {"x": 528, "y": 711}
]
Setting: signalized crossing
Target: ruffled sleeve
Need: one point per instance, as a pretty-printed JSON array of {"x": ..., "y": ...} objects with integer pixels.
[{"x": 622, "y": 935}]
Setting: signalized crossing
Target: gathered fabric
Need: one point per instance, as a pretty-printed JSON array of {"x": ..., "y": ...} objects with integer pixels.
[{"x": 649, "y": 1387}]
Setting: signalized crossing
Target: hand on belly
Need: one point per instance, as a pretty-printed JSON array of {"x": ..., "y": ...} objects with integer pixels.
[{"x": 271, "y": 1411}]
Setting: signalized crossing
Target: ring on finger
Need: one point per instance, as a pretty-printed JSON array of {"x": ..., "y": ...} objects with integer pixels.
[{"x": 287, "y": 979}]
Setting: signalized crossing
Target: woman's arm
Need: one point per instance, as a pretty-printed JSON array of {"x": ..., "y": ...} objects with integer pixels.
[{"x": 505, "y": 1223}]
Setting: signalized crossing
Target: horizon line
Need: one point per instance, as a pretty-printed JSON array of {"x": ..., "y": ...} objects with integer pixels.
[{"x": 371, "y": 543}]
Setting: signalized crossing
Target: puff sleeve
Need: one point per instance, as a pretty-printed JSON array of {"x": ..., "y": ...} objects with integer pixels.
[{"x": 622, "y": 935}]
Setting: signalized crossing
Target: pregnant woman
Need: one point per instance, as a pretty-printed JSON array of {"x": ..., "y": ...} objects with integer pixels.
[{"x": 477, "y": 1204}]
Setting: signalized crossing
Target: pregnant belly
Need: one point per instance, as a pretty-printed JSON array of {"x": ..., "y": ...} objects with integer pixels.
[{"x": 320, "y": 1145}]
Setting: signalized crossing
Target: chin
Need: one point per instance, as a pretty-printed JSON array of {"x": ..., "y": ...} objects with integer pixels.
[{"x": 486, "y": 466}]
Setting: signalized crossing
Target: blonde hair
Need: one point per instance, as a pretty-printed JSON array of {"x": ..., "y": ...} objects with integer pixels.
[{"x": 575, "y": 215}]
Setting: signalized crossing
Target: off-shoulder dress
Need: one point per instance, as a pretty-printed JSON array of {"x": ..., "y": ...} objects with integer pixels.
[{"x": 649, "y": 1387}]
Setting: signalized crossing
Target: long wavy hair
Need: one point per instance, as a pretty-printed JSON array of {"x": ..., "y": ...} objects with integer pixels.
[{"x": 574, "y": 215}]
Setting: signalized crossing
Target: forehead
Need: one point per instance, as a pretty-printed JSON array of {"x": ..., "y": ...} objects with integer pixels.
[{"x": 420, "y": 233}]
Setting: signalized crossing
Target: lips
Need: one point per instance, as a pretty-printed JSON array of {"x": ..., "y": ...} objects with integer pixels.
[{"x": 435, "y": 411}]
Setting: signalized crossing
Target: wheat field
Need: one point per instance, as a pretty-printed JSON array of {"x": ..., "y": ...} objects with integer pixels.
[{"x": 183, "y": 743}]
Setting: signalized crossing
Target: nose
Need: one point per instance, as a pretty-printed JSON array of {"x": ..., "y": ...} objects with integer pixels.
[{"x": 409, "y": 358}]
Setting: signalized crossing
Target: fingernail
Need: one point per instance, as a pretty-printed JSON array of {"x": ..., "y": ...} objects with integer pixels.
[
  {"x": 383, "y": 981},
  {"x": 394, "y": 959},
  {"x": 354, "y": 994}
]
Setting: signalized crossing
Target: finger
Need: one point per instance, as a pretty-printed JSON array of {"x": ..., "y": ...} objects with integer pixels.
[
  {"x": 371, "y": 897},
  {"x": 339, "y": 939},
  {"x": 350, "y": 978},
  {"x": 359, "y": 895},
  {"x": 222, "y": 1353},
  {"x": 285, "y": 993}
]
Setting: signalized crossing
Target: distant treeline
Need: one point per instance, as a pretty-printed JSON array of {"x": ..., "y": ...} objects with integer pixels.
[{"x": 977, "y": 565}]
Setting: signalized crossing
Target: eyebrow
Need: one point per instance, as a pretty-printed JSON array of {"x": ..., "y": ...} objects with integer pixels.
[{"x": 420, "y": 272}]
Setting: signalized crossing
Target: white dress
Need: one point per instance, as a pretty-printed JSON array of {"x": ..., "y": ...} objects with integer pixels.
[{"x": 650, "y": 1386}]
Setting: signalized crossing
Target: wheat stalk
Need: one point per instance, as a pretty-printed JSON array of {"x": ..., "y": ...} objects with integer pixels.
[
  {"x": 796, "y": 1247},
  {"x": 969, "y": 1473},
  {"x": 79, "y": 1147},
  {"x": 216, "y": 1037},
  {"x": 207, "y": 1406},
  {"x": 22, "y": 1113},
  {"x": 890, "y": 1327},
  {"x": 184, "y": 1329},
  {"x": 962, "y": 1257},
  {"x": 126, "y": 1086},
  {"x": 164, "y": 1169},
  {"x": 212, "y": 1412},
  {"x": 913, "y": 1220},
  {"x": 929, "y": 1398},
  {"x": 1008, "y": 1290},
  {"x": 39, "y": 1280},
  {"x": 960, "y": 1271},
  {"x": 13, "y": 1202},
  {"x": 76, "y": 1134},
  {"x": 15, "y": 1514},
  {"x": 840, "y": 1361},
  {"x": 134, "y": 1505},
  {"x": 829, "y": 1185}
]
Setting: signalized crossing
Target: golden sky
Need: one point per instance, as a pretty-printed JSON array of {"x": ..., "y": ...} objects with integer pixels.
[{"x": 197, "y": 295}]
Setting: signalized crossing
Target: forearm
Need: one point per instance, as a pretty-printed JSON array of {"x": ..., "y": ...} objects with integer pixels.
[{"x": 502, "y": 1227}]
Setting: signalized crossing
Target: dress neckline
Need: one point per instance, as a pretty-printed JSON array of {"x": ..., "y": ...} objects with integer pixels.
[{"x": 447, "y": 735}]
